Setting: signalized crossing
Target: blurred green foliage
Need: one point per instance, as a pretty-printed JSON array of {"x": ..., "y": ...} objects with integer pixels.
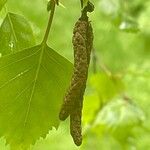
[{"x": 122, "y": 42}]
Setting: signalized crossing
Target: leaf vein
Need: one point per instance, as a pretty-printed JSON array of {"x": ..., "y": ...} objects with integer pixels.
[
  {"x": 18, "y": 75},
  {"x": 20, "y": 59}
]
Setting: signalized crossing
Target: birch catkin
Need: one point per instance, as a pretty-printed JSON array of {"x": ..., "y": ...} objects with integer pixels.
[{"x": 73, "y": 100}]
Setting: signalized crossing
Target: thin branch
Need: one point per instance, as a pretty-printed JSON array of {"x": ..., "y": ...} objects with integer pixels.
[
  {"x": 98, "y": 62},
  {"x": 81, "y": 1},
  {"x": 53, "y": 4}
]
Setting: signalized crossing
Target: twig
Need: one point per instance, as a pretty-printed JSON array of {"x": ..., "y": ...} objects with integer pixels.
[{"x": 50, "y": 21}]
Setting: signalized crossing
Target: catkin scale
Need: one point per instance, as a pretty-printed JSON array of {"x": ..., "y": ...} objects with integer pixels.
[{"x": 73, "y": 101}]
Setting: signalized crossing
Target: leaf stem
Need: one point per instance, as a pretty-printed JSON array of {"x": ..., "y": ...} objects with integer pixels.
[{"x": 49, "y": 22}]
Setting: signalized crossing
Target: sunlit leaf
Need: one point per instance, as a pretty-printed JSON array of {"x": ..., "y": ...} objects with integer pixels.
[
  {"x": 119, "y": 117},
  {"x": 109, "y": 7},
  {"x": 15, "y": 34},
  {"x": 107, "y": 86},
  {"x": 36, "y": 79},
  {"x": 91, "y": 105},
  {"x": 129, "y": 25},
  {"x": 120, "y": 112}
]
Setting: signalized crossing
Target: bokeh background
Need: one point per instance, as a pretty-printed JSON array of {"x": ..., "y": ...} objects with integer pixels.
[{"x": 116, "y": 111}]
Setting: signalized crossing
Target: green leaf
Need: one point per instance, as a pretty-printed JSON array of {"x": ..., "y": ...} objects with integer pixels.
[
  {"x": 91, "y": 105},
  {"x": 2, "y": 3},
  {"x": 109, "y": 7},
  {"x": 129, "y": 25},
  {"x": 15, "y": 34},
  {"x": 32, "y": 85},
  {"x": 107, "y": 86},
  {"x": 120, "y": 113},
  {"x": 119, "y": 116}
]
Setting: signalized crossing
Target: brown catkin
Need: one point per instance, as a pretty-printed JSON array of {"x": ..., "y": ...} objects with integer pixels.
[
  {"x": 73, "y": 101},
  {"x": 79, "y": 76},
  {"x": 76, "y": 115}
]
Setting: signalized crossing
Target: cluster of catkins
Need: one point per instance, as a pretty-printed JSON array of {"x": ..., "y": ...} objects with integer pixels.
[{"x": 73, "y": 100}]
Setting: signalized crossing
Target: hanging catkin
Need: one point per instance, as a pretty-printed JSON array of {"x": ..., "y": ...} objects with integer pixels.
[{"x": 73, "y": 100}]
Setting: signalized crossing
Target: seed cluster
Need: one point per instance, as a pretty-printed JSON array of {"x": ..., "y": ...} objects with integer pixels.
[{"x": 73, "y": 100}]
